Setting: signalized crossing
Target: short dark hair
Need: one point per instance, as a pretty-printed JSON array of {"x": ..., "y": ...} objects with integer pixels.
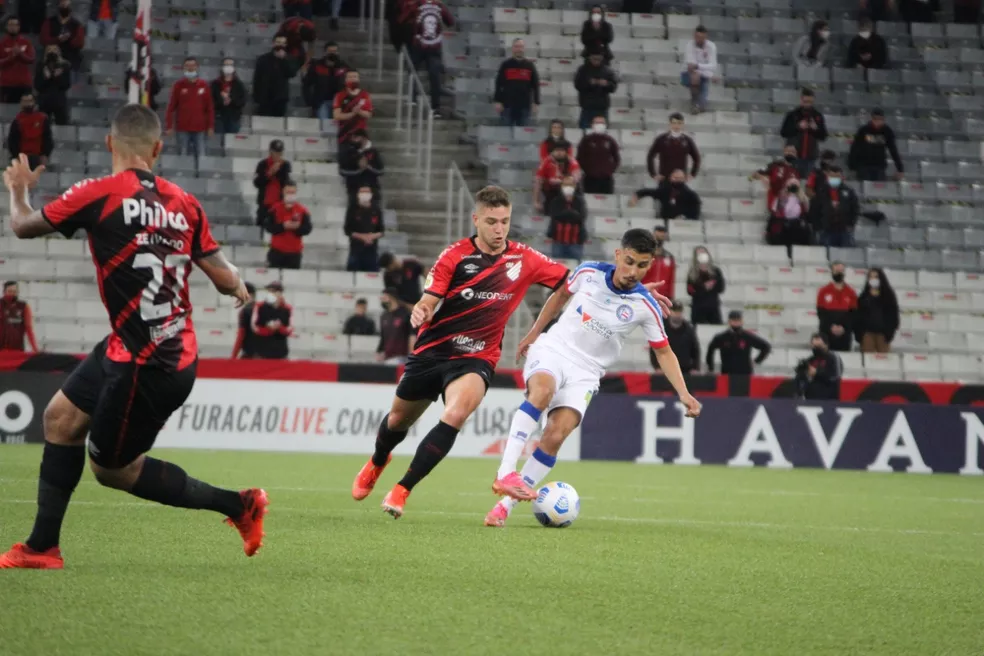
[
  {"x": 878, "y": 112},
  {"x": 392, "y": 291},
  {"x": 561, "y": 144},
  {"x": 330, "y": 44},
  {"x": 290, "y": 182},
  {"x": 189, "y": 58},
  {"x": 352, "y": 70},
  {"x": 806, "y": 92},
  {"x": 493, "y": 196},
  {"x": 26, "y": 94},
  {"x": 639, "y": 240},
  {"x": 836, "y": 263},
  {"x": 676, "y": 116},
  {"x": 9, "y": 283},
  {"x": 361, "y": 301},
  {"x": 820, "y": 336},
  {"x": 835, "y": 168},
  {"x": 701, "y": 29},
  {"x": 828, "y": 154},
  {"x": 136, "y": 127},
  {"x": 385, "y": 260}
]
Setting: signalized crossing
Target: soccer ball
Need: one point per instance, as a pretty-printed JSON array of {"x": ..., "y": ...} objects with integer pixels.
[{"x": 556, "y": 505}]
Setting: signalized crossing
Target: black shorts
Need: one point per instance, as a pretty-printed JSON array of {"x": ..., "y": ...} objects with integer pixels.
[
  {"x": 427, "y": 378},
  {"x": 128, "y": 404}
]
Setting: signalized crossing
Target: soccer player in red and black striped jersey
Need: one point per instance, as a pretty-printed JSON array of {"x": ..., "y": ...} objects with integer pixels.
[
  {"x": 478, "y": 283},
  {"x": 144, "y": 233}
]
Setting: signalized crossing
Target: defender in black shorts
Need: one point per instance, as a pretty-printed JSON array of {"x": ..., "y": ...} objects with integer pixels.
[
  {"x": 478, "y": 282},
  {"x": 144, "y": 233}
]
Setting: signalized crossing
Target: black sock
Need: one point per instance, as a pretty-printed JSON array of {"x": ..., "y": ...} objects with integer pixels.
[
  {"x": 168, "y": 484},
  {"x": 61, "y": 470},
  {"x": 431, "y": 451},
  {"x": 386, "y": 441}
]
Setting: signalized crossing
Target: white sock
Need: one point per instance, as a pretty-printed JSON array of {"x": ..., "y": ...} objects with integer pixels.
[
  {"x": 534, "y": 471},
  {"x": 524, "y": 422}
]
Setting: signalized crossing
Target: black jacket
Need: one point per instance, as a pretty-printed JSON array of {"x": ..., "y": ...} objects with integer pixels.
[
  {"x": 673, "y": 202},
  {"x": 349, "y": 155},
  {"x": 595, "y": 96},
  {"x": 825, "y": 384},
  {"x": 703, "y": 298},
  {"x": 736, "y": 351},
  {"x": 359, "y": 325},
  {"x": 876, "y": 314},
  {"x": 364, "y": 220},
  {"x": 271, "y": 78},
  {"x": 52, "y": 90},
  {"x": 567, "y": 219},
  {"x": 685, "y": 345},
  {"x": 260, "y": 179},
  {"x": 869, "y": 148},
  {"x": 874, "y": 46},
  {"x": 517, "y": 83},
  {"x": 237, "y": 98},
  {"x": 807, "y": 141},
  {"x": 823, "y": 215},
  {"x": 601, "y": 37},
  {"x": 272, "y": 346},
  {"x": 323, "y": 80}
]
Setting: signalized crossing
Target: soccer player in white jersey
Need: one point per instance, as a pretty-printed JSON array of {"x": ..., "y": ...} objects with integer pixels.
[{"x": 565, "y": 365}]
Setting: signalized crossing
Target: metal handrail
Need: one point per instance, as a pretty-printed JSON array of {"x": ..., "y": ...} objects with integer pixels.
[{"x": 415, "y": 127}]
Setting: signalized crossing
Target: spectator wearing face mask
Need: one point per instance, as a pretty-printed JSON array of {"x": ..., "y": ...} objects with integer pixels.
[
  {"x": 272, "y": 324},
  {"x": 360, "y": 323},
  {"x": 403, "y": 276},
  {"x": 323, "y": 80},
  {"x": 102, "y": 19},
  {"x": 66, "y": 32},
  {"x": 676, "y": 199},
  {"x": 813, "y": 49},
  {"x": 361, "y": 165},
  {"x": 702, "y": 62},
  {"x": 190, "y": 111},
  {"x": 552, "y": 172},
  {"x": 517, "y": 88},
  {"x": 787, "y": 225},
  {"x": 567, "y": 213},
  {"x": 877, "y": 318},
  {"x": 805, "y": 128},
  {"x": 30, "y": 133},
  {"x": 16, "y": 64},
  {"x": 705, "y": 284},
  {"x": 228, "y": 98},
  {"x": 270, "y": 178},
  {"x": 271, "y": 78},
  {"x": 777, "y": 174},
  {"x": 16, "y": 320},
  {"x": 352, "y": 107},
  {"x": 683, "y": 341},
  {"x": 597, "y": 34},
  {"x": 289, "y": 222},
  {"x": 363, "y": 227},
  {"x": 555, "y": 133},
  {"x": 835, "y": 211},
  {"x": 300, "y": 34},
  {"x": 599, "y": 157},
  {"x": 818, "y": 377},
  {"x": 735, "y": 345},
  {"x": 671, "y": 150},
  {"x": 595, "y": 83},
  {"x": 52, "y": 81},
  {"x": 837, "y": 305},
  {"x": 867, "y": 49},
  {"x": 245, "y": 337},
  {"x": 868, "y": 158},
  {"x": 817, "y": 182},
  {"x": 396, "y": 335},
  {"x": 663, "y": 269}
]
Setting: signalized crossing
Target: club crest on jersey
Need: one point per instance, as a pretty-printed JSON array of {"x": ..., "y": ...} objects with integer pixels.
[
  {"x": 624, "y": 313},
  {"x": 152, "y": 215},
  {"x": 513, "y": 270}
]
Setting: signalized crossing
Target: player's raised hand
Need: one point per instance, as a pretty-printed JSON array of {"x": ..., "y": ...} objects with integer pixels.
[
  {"x": 693, "y": 406},
  {"x": 421, "y": 314},
  {"x": 19, "y": 175},
  {"x": 241, "y": 295},
  {"x": 665, "y": 303}
]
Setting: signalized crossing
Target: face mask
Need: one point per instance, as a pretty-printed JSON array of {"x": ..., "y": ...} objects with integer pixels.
[
  {"x": 366, "y": 145},
  {"x": 793, "y": 189},
  {"x": 568, "y": 191},
  {"x": 874, "y": 283},
  {"x": 703, "y": 258},
  {"x": 352, "y": 85},
  {"x": 228, "y": 70},
  {"x": 290, "y": 198},
  {"x": 190, "y": 75},
  {"x": 51, "y": 58},
  {"x": 825, "y": 35},
  {"x": 279, "y": 49},
  {"x": 599, "y": 128},
  {"x": 596, "y": 18},
  {"x": 864, "y": 35},
  {"x": 834, "y": 182},
  {"x": 676, "y": 184},
  {"x": 561, "y": 159},
  {"x": 676, "y": 322},
  {"x": 365, "y": 199},
  {"x": 818, "y": 351},
  {"x": 65, "y": 12},
  {"x": 676, "y": 132},
  {"x": 838, "y": 277},
  {"x": 790, "y": 158},
  {"x": 736, "y": 328},
  {"x": 27, "y": 108},
  {"x": 13, "y": 32},
  {"x": 269, "y": 297},
  {"x": 518, "y": 54}
]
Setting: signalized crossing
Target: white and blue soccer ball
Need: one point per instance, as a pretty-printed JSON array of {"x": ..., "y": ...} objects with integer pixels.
[{"x": 556, "y": 505}]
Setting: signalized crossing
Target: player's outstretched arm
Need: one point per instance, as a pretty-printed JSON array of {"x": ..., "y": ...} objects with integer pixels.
[
  {"x": 554, "y": 305},
  {"x": 423, "y": 311},
  {"x": 225, "y": 276},
  {"x": 25, "y": 222},
  {"x": 671, "y": 369}
]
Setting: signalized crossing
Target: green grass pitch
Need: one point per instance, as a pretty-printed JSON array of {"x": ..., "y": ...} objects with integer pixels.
[{"x": 663, "y": 560}]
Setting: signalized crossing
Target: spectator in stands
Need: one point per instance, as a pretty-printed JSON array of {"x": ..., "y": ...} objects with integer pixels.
[
  {"x": 431, "y": 18},
  {"x": 322, "y": 82},
  {"x": 683, "y": 341},
  {"x": 867, "y": 49},
  {"x": 919, "y": 11},
  {"x": 102, "y": 19},
  {"x": 818, "y": 377},
  {"x": 352, "y": 107},
  {"x": 228, "y": 99},
  {"x": 396, "y": 336},
  {"x": 676, "y": 199},
  {"x": 300, "y": 34},
  {"x": 777, "y": 174},
  {"x": 153, "y": 89},
  {"x": 788, "y": 225},
  {"x": 364, "y": 227},
  {"x": 818, "y": 181},
  {"x": 66, "y": 32},
  {"x": 403, "y": 276},
  {"x": 30, "y": 133},
  {"x": 967, "y": 12},
  {"x": 805, "y": 128},
  {"x": 360, "y": 323},
  {"x": 868, "y": 157},
  {"x": 835, "y": 212},
  {"x": 245, "y": 337},
  {"x": 190, "y": 111},
  {"x": 270, "y": 178},
  {"x": 272, "y": 324},
  {"x": 551, "y": 173},
  {"x": 672, "y": 149},
  {"x": 568, "y": 213},
  {"x": 289, "y": 222},
  {"x": 16, "y": 320},
  {"x": 705, "y": 284},
  {"x": 271, "y": 78},
  {"x": 877, "y": 318},
  {"x": 595, "y": 83},
  {"x": 300, "y": 8},
  {"x": 663, "y": 269},
  {"x": 52, "y": 81},
  {"x": 16, "y": 64},
  {"x": 400, "y": 15},
  {"x": 517, "y": 89},
  {"x": 736, "y": 346},
  {"x": 556, "y": 133},
  {"x": 813, "y": 49},
  {"x": 599, "y": 157},
  {"x": 361, "y": 165},
  {"x": 702, "y": 62},
  {"x": 837, "y": 305},
  {"x": 597, "y": 34}
]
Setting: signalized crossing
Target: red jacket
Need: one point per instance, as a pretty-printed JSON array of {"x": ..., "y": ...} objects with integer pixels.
[
  {"x": 662, "y": 269},
  {"x": 30, "y": 133},
  {"x": 16, "y": 323},
  {"x": 551, "y": 174},
  {"x": 52, "y": 29},
  {"x": 284, "y": 240},
  {"x": 16, "y": 68},
  {"x": 191, "y": 103}
]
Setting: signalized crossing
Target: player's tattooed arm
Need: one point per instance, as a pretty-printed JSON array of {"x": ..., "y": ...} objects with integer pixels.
[
  {"x": 225, "y": 276},
  {"x": 554, "y": 305},
  {"x": 25, "y": 222}
]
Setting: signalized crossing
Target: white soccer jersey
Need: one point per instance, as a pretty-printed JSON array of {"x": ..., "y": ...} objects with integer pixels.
[{"x": 593, "y": 328}]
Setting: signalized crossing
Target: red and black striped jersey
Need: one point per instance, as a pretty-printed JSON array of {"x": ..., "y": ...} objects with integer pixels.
[
  {"x": 144, "y": 233},
  {"x": 480, "y": 292}
]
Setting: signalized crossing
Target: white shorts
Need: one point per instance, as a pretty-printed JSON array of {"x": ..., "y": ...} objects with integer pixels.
[{"x": 576, "y": 385}]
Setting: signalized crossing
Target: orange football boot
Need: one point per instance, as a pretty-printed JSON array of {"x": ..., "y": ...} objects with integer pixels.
[
  {"x": 395, "y": 500},
  {"x": 250, "y": 523},
  {"x": 497, "y": 516},
  {"x": 366, "y": 479},
  {"x": 512, "y": 485},
  {"x": 22, "y": 556}
]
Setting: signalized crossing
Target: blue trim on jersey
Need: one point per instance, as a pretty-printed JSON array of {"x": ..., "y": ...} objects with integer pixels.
[
  {"x": 648, "y": 297},
  {"x": 544, "y": 458},
  {"x": 531, "y": 410},
  {"x": 604, "y": 267},
  {"x": 609, "y": 280}
]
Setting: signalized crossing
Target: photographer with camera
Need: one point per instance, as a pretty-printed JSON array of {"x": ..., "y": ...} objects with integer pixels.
[{"x": 818, "y": 377}]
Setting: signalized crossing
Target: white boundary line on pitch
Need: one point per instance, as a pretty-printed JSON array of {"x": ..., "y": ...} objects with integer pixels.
[{"x": 710, "y": 523}]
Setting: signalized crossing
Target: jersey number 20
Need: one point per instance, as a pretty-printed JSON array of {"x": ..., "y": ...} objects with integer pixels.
[{"x": 149, "y": 311}]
